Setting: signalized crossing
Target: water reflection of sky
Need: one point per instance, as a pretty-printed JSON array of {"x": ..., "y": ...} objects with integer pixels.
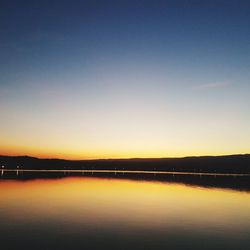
[{"x": 125, "y": 207}]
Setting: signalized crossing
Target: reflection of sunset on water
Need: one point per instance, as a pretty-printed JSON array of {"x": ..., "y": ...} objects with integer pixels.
[{"x": 133, "y": 204}]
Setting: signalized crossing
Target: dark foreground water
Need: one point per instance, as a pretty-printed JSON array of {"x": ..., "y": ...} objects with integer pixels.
[{"x": 93, "y": 212}]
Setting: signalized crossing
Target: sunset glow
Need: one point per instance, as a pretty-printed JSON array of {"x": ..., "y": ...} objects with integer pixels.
[{"x": 122, "y": 80}]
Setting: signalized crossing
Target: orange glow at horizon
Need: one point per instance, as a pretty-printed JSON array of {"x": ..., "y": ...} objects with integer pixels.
[
  {"x": 88, "y": 155},
  {"x": 128, "y": 122},
  {"x": 108, "y": 153}
]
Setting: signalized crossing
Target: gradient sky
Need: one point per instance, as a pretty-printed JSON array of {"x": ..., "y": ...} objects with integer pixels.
[{"x": 108, "y": 79}]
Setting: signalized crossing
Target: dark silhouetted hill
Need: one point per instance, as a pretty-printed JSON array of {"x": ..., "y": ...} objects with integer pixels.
[{"x": 219, "y": 164}]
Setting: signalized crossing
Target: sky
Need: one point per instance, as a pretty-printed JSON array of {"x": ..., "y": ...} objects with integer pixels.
[{"x": 124, "y": 79}]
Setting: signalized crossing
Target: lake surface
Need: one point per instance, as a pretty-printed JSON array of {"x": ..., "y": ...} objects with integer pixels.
[{"x": 91, "y": 212}]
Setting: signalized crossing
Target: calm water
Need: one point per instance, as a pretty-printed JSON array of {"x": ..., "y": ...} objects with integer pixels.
[{"x": 106, "y": 213}]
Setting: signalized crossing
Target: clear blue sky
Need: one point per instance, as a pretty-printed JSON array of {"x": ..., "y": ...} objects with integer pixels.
[{"x": 94, "y": 79}]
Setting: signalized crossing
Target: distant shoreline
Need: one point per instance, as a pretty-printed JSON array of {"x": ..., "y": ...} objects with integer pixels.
[
  {"x": 123, "y": 172},
  {"x": 234, "y": 181},
  {"x": 233, "y": 164}
]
